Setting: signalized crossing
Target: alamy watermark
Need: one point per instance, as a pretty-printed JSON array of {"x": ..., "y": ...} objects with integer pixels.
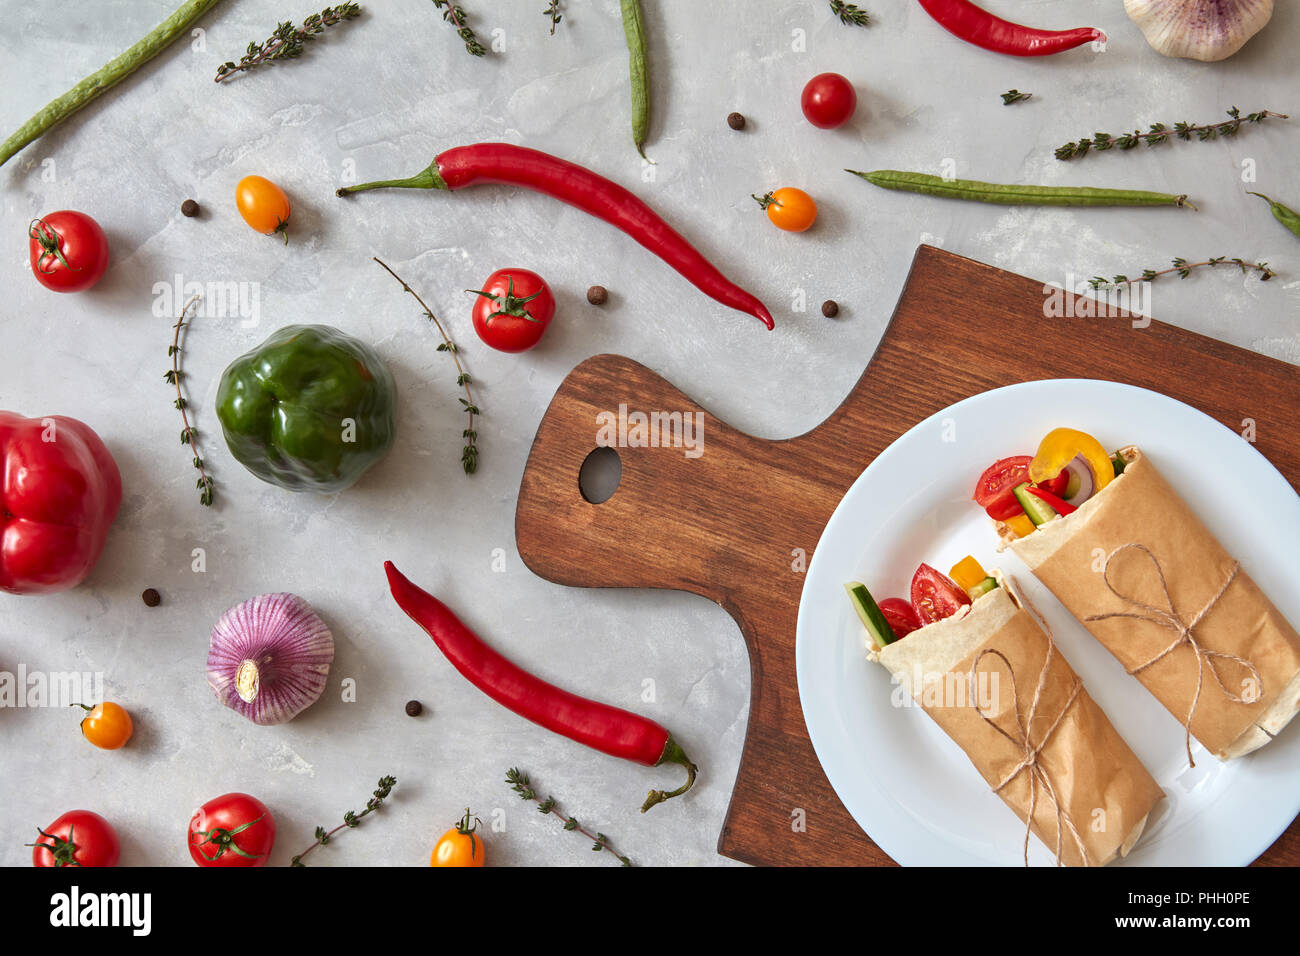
[
  {"x": 633, "y": 429},
  {"x": 50, "y": 688},
  {"x": 216, "y": 300},
  {"x": 1080, "y": 299},
  {"x": 951, "y": 689}
]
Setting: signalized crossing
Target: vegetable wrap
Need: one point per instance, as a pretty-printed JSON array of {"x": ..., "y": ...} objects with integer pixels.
[
  {"x": 1151, "y": 582},
  {"x": 999, "y": 687}
]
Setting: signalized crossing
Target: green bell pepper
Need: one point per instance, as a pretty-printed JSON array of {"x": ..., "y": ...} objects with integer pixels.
[{"x": 310, "y": 409}]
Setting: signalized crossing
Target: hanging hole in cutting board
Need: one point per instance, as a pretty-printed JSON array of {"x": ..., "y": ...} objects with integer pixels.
[{"x": 600, "y": 474}]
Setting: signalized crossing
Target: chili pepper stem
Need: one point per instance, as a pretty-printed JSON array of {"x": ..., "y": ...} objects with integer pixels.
[
  {"x": 673, "y": 753},
  {"x": 427, "y": 178}
]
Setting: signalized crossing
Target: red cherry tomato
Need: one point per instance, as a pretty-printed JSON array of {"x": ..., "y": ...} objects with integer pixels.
[
  {"x": 828, "y": 100},
  {"x": 900, "y": 615},
  {"x": 935, "y": 595},
  {"x": 993, "y": 491},
  {"x": 1001, "y": 476},
  {"x": 69, "y": 250},
  {"x": 232, "y": 830},
  {"x": 513, "y": 309},
  {"x": 78, "y": 838}
]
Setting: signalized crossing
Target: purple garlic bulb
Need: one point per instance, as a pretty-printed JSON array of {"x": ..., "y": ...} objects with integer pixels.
[{"x": 269, "y": 658}]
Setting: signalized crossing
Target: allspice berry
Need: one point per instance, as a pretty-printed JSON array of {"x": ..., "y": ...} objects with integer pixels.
[
  {"x": 189, "y": 208},
  {"x": 151, "y": 597},
  {"x": 597, "y": 295},
  {"x": 414, "y": 708},
  {"x": 830, "y": 308},
  {"x": 736, "y": 120}
]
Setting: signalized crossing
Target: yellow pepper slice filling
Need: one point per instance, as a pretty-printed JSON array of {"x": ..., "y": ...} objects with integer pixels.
[
  {"x": 1021, "y": 524},
  {"x": 967, "y": 573},
  {"x": 1061, "y": 446}
]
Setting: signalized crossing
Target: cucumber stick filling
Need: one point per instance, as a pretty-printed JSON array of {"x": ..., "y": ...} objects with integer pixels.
[
  {"x": 870, "y": 613},
  {"x": 1038, "y": 510}
]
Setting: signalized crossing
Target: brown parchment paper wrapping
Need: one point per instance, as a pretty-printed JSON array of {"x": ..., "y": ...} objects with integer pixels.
[
  {"x": 1101, "y": 785},
  {"x": 1139, "y": 506}
]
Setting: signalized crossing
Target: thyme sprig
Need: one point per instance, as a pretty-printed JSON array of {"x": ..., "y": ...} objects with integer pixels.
[
  {"x": 1160, "y": 133},
  {"x": 456, "y": 16},
  {"x": 469, "y": 454},
  {"x": 189, "y": 434},
  {"x": 1014, "y": 96},
  {"x": 1183, "y": 269},
  {"x": 521, "y": 785},
  {"x": 850, "y": 13},
  {"x": 350, "y": 819},
  {"x": 288, "y": 41},
  {"x": 553, "y": 11}
]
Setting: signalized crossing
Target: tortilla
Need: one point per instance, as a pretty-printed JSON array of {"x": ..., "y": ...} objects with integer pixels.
[
  {"x": 1256, "y": 652},
  {"x": 1104, "y": 792}
]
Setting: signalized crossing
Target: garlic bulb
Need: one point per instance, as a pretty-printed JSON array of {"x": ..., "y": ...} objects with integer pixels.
[
  {"x": 269, "y": 657},
  {"x": 1199, "y": 29}
]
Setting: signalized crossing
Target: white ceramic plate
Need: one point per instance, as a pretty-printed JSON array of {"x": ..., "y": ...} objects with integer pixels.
[{"x": 912, "y": 789}]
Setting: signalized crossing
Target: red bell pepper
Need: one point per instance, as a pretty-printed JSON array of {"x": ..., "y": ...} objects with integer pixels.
[{"x": 59, "y": 492}]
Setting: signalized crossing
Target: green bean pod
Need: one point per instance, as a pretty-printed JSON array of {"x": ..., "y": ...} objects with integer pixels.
[
  {"x": 106, "y": 77},
  {"x": 636, "y": 52},
  {"x": 1283, "y": 214},
  {"x": 1011, "y": 195}
]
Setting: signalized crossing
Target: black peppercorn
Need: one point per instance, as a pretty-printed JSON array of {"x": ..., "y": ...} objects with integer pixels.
[
  {"x": 151, "y": 597},
  {"x": 736, "y": 121},
  {"x": 414, "y": 708},
  {"x": 189, "y": 208}
]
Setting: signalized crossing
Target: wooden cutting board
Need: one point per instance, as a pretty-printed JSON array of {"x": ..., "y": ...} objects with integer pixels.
[{"x": 724, "y": 524}]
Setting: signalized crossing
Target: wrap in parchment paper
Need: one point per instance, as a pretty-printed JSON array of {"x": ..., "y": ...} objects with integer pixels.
[
  {"x": 1244, "y": 634},
  {"x": 1104, "y": 792}
]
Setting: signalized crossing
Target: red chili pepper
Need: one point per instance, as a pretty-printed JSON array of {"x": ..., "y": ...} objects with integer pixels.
[
  {"x": 976, "y": 25},
  {"x": 611, "y": 730},
  {"x": 573, "y": 184},
  {"x": 1061, "y": 506}
]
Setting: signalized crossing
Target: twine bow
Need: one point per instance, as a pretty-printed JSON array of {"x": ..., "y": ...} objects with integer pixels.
[
  {"x": 1168, "y": 617},
  {"x": 1029, "y": 751}
]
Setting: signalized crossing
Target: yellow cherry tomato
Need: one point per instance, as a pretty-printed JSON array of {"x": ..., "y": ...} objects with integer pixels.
[
  {"x": 263, "y": 205},
  {"x": 790, "y": 209},
  {"x": 107, "y": 725},
  {"x": 459, "y": 846}
]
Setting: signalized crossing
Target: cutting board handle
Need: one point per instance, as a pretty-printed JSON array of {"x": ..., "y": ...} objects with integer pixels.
[{"x": 673, "y": 518}]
